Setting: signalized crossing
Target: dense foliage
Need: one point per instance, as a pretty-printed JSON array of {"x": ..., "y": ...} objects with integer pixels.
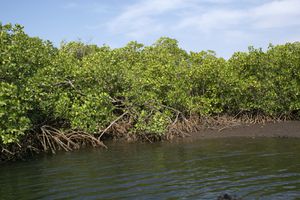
[{"x": 86, "y": 87}]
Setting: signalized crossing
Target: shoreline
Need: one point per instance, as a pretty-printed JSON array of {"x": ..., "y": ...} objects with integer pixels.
[
  {"x": 275, "y": 129},
  {"x": 281, "y": 129},
  {"x": 139, "y": 92}
]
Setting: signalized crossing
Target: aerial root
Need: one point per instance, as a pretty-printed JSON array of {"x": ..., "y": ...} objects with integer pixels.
[
  {"x": 7, "y": 151},
  {"x": 111, "y": 124},
  {"x": 53, "y": 139},
  {"x": 194, "y": 124}
]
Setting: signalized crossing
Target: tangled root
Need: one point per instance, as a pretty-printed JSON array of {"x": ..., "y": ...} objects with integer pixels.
[
  {"x": 50, "y": 139},
  {"x": 194, "y": 124},
  {"x": 185, "y": 127},
  {"x": 53, "y": 139}
]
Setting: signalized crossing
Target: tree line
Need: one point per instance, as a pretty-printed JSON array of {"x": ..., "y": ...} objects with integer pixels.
[{"x": 88, "y": 88}]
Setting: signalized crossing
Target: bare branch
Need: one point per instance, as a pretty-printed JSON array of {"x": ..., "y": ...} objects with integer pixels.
[{"x": 112, "y": 123}]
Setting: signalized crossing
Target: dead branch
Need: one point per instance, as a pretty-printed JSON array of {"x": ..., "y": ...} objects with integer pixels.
[{"x": 112, "y": 123}]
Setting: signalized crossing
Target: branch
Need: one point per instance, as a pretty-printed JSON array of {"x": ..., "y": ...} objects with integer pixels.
[{"x": 112, "y": 123}]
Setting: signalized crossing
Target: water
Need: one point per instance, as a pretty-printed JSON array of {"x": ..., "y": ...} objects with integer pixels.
[{"x": 204, "y": 169}]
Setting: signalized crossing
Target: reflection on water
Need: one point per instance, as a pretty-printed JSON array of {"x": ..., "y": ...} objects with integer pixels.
[{"x": 250, "y": 168}]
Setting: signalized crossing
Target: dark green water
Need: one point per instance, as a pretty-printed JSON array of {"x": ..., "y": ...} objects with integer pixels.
[{"x": 204, "y": 169}]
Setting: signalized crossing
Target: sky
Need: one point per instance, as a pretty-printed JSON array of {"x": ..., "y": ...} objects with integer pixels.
[{"x": 224, "y": 26}]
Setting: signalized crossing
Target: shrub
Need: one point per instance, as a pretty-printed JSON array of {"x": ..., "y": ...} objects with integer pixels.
[{"x": 85, "y": 87}]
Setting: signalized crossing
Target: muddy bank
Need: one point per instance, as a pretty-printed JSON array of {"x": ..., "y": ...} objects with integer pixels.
[
  {"x": 52, "y": 140},
  {"x": 284, "y": 129}
]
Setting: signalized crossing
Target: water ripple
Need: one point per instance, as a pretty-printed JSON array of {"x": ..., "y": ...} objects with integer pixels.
[{"x": 264, "y": 169}]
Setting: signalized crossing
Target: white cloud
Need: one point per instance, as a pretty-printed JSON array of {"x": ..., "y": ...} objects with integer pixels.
[
  {"x": 145, "y": 17},
  {"x": 223, "y": 25},
  {"x": 140, "y": 19},
  {"x": 276, "y": 14},
  {"x": 212, "y": 20}
]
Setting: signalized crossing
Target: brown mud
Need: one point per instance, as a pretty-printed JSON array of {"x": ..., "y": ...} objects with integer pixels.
[
  {"x": 52, "y": 140},
  {"x": 281, "y": 129}
]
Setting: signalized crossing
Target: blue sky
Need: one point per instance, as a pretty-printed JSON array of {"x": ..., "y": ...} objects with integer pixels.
[{"x": 224, "y": 26}]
